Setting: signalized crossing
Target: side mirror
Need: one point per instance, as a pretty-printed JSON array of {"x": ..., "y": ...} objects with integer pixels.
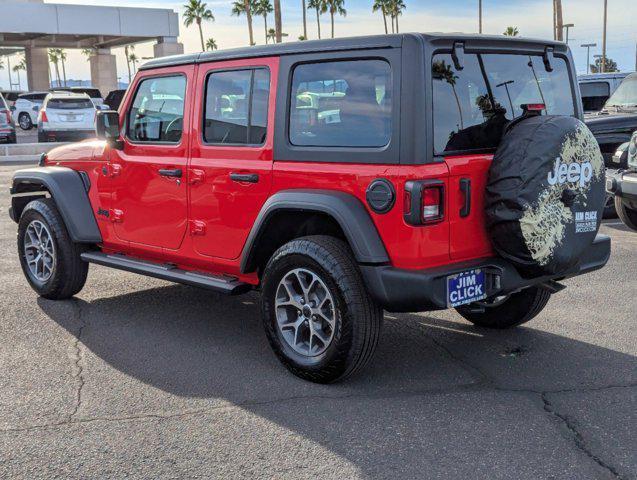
[
  {"x": 107, "y": 128},
  {"x": 12, "y": 108},
  {"x": 36, "y": 108}
]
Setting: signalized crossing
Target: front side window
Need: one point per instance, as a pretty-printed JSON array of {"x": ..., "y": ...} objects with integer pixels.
[
  {"x": 341, "y": 104},
  {"x": 236, "y": 110},
  {"x": 473, "y": 105},
  {"x": 157, "y": 112}
]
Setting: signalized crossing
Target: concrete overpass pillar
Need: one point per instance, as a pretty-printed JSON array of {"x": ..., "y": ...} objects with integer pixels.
[
  {"x": 37, "y": 60},
  {"x": 167, "y": 46},
  {"x": 103, "y": 71}
]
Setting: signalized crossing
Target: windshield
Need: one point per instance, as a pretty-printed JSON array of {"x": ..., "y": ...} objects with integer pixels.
[
  {"x": 626, "y": 94},
  {"x": 473, "y": 105}
]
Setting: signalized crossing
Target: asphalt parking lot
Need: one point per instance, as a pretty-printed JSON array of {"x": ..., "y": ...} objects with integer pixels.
[{"x": 140, "y": 378}]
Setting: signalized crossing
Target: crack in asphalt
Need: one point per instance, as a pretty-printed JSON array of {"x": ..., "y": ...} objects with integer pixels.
[
  {"x": 78, "y": 369},
  {"x": 578, "y": 438}
]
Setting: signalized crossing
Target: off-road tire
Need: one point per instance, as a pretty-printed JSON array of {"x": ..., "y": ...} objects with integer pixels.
[
  {"x": 358, "y": 318},
  {"x": 69, "y": 270},
  {"x": 519, "y": 308},
  {"x": 626, "y": 214}
]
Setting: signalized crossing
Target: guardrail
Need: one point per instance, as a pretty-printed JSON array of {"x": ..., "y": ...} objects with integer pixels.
[{"x": 25, "y": 152}]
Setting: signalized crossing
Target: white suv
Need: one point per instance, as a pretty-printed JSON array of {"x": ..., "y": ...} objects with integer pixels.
[
  {"x": 26, "y": 108},
  {"x": 66, "y": 116}
]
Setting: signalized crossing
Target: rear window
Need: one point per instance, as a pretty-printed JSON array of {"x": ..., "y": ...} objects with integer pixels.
[
  {"x": 91, "y": 92},
  {"x": 34, "y": 97},
  {"x": 69, "y": 103},
  {"x": 595, "y": 89},
  {"x": 473, "y": 105},
  {"x": 341, "y": 104}
]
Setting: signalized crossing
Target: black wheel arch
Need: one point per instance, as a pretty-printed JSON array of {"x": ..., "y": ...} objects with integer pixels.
[
  {"x": 343, "y": 215},
  {"x": 69, "y": 190}
]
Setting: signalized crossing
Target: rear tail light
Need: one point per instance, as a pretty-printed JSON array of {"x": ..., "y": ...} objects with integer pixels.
[
  {"x": 423, "y": 202},
  {"x": 43, "y": 117},
  {"x": 9, "y": 119}
]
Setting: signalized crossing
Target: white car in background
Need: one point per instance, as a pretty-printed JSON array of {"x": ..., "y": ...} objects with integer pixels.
[
  {"x": 26, "y": 108},
  {"x": 66, "y": 116},
  {"x": 94, "y": 93}
]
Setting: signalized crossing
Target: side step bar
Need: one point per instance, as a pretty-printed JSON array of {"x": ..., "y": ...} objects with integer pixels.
[{"x": 217, "y": 283}]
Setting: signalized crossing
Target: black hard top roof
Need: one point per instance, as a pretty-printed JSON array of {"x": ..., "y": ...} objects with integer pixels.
[{"x": 333, "y": 45}]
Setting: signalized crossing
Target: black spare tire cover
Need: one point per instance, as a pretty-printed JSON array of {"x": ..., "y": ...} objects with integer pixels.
[{"x": 545, "y": 194}]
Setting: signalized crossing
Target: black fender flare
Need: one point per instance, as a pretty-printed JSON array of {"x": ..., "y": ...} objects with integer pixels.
[
  {"x": 347, "y": 210},
  {"x": 69, "y": 191}
]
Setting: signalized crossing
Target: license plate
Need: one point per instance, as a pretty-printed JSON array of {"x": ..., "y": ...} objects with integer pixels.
[
  {"x": 71, "y": 118},
  {"x": 466, "y": 287}
]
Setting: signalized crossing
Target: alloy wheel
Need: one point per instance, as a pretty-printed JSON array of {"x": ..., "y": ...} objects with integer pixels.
[{"x": 39, "y": 251}]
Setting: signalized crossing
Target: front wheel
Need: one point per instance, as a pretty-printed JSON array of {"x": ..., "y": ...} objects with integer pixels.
[
  {"x": 509, "y": 311},
  {"x": 50, "y": 260},
  {"x": 318, "y": 317},
  {"x": 626, "y": 214}
]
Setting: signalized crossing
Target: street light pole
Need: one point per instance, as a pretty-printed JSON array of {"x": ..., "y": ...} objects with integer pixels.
[
  {"x": 567, "y": 27},
  {"x": 588, "y": 46},
  {"x": 603, "y": 66},
  {"x": 479, "y": 16}
]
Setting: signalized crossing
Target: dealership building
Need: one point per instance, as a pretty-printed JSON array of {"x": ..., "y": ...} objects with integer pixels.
[{"x": 34, "y": 26}]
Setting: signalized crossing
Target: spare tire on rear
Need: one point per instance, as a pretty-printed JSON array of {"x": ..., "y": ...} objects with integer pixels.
[{"x": 545, "y": 194}]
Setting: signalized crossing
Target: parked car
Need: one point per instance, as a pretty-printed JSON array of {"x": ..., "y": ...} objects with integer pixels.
[
  {"x": 114, "y": 99},
  {"x": 10, "y": 96},
  {"x": 622, "y": 185},
  {"x": 94, "y": 94},
  {"x": 66, "y": 116},
  {"x": 7, "y": 129},
  {"x": 452, "y": 171},
  {"x": 596, "y": 88},
  {"x": 616, "y": 122},
  {"x": 27, "y": 107}
]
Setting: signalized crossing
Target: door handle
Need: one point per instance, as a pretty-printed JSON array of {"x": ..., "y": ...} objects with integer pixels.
[
  {"x": 244, "y": 177},
  {"x": 465, "y": 188},
  {"x": 176, "y": 172}
]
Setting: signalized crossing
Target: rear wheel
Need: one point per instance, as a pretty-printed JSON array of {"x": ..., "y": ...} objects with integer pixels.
[
  {"x": 318, "y": 317},
  {"x": 609, "y": 207},
  {"x": 50, "y": 260},
  {"x": 509, "y": 311},
  {"x": 626, "y": 214},
  {"x": 25, "y": 122}
]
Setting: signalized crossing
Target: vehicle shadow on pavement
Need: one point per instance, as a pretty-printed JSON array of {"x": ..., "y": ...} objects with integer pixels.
[{"x": 456, "y": 377}]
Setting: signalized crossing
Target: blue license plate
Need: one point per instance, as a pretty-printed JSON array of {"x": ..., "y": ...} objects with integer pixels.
[{"x": 466, "y": 287}]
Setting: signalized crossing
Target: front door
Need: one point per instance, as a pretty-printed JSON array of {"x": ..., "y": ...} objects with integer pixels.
[
  {"x": 231, "y": 166},
  {"x": 149, "y": 199}
]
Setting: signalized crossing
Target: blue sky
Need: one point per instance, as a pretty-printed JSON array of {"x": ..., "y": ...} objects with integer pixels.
[{"x": 532, "y": 17}]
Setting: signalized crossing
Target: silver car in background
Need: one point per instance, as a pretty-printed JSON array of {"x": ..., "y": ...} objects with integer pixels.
[{"x": 66, "y": 116}]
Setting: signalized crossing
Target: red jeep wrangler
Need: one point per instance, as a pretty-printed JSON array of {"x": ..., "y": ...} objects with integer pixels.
[{"x": 340, "y": 178}]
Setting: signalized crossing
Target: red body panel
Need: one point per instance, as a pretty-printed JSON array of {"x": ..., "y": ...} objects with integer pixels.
[{"x": 202, "y": 222}]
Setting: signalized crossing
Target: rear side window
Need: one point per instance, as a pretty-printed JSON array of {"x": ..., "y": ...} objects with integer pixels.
[
  {"x": 236, "y": 109},
  {"x": 341, "y": 104},
  {"x": 69, "y": 103},
  {"x": 34, "y": 97},
  {"x": 157, "y": 112},
  {"x": 91, "y": 92},
  {"x": 473, "y": 105}
]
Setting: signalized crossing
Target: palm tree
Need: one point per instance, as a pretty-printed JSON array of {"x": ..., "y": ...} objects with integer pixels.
[
  {"x": 442, "y": 71},
  {"x": 395, "y": 9},
  {"x": 196, "y": 12},
  {"x": 22, "y": 65},
  {"x": 132, "y": 58},
  {"x": 334, "y": 7},
  {"x": 62, "y": 56},
  {"x": 278, "y": 25},
  {"x": 320, "y": 7},
  {"x": 303, "y": 9},
  {"x": 263, "y": 8},
  {"x": 211, "y": 44},
  {"x": 128, "y": 50},
  {"x": 55, "y": 60},
  {"x": 247, "y": 7},
  {"x": 381, "y": 5},
  {"x": 271, "y": 34},
  {"x": 511, "y": 32}
]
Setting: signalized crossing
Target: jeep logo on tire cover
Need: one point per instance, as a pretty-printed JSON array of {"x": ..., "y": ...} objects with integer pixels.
[{"x": 572, "y": 173}]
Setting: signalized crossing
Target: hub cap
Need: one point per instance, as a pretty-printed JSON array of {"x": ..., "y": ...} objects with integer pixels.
[
  {"x": 39, "y": 251},
  {"x": 25, "y": 122},
  {"x": 305, "y": 312}
]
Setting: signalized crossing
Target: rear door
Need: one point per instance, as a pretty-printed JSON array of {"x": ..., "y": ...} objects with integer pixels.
[
  {"x": 231, "y": 166},
  {"x": 472, "y": 107}
]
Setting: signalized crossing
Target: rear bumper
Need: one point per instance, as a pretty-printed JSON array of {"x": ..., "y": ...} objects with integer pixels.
[
  {"x": 623, "y": 185},
  {"x": 420, "y": 290}
]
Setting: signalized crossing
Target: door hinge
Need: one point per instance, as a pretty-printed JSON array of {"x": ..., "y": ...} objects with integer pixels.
[
  {"x": 117, "y": 216},
  {"x": 197, "y": 227},
  {"x": 196, "y": 176}
]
